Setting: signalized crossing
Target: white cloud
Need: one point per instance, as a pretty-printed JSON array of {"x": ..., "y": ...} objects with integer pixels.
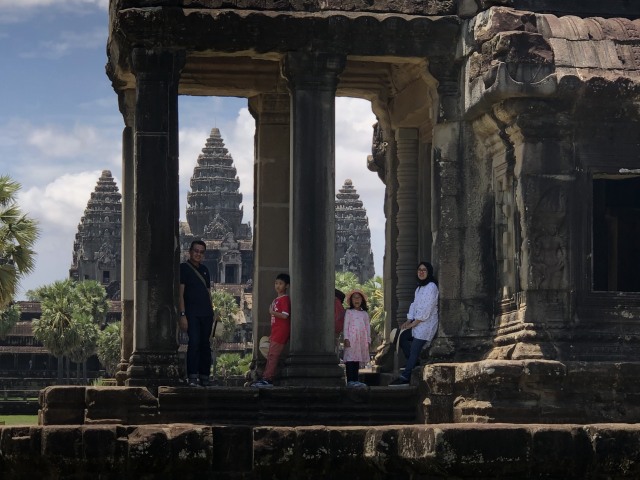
[
  {"x": 67, "y": 42},
  {"x": 32, "y": 4},
  {"x": 56, "y": 142},
  {"x": 57, "y": 207},
  {"x": 15, "y": 11}
]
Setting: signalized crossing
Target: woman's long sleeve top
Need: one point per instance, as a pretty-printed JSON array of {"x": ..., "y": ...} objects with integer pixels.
[{"x": 425, "y": 309}]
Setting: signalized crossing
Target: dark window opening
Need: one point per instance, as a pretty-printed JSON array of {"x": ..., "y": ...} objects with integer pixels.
[
  {"x": 105, "y": 277},
  {"x": 616, "y": 234},
  {"x": 230, "y": 274}
]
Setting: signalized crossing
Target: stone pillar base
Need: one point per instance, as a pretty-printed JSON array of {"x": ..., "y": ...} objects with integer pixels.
[
  {"x": 313, "y": 369},
  {"x": 121, "y": 374},
  {"x": 152, "y": 370}
]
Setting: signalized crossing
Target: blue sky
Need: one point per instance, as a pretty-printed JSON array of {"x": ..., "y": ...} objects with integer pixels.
[{"x": 60, "y": 127}]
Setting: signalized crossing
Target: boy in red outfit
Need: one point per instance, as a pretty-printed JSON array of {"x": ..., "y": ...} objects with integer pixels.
[{"x": 280, "y": 311}]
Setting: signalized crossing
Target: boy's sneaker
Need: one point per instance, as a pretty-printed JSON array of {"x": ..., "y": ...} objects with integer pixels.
[
  {"x": 193, "y": 382},
  {"x": 353, "y": 384},
  {"x": 262, "y": 384},
  {"x": 399, "y": 382},
  {"x": 204, "y": 381}
]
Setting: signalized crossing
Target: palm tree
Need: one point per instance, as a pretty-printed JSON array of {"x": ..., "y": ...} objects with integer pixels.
[
  {"x": 18, "y": 234},
  {"x": 71, "y": 314},
  {"x": 375, "y": 293},
  {"x": 346, "y": 281},
  {"x": 226, "y": 308},
  {"x": 87, "y": 332},
  {"x": 109, "y": 345},
  {"x": 55, "y": 328},
  {"x": 92, "y": 300},
  {"x": 9, "y": 316}
]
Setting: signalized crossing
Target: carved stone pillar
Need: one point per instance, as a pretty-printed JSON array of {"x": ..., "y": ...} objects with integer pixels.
[
  {"x": 312, "y": 82},
  {"x": 127, "y": 106},
  {"x": 271, "y": 212},
  {"x": 156, "y": 248},
  {"x": 407, "y": 217}
]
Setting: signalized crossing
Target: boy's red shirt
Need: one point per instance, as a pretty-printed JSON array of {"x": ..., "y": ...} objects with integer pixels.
[{"x": 281, "y": 327}]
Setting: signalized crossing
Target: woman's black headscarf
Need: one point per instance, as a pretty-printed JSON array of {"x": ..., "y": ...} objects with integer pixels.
[{"x": 430, "y": 277}]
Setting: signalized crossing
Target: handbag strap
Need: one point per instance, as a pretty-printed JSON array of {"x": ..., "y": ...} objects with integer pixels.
[{"x": 199, "y": 275}]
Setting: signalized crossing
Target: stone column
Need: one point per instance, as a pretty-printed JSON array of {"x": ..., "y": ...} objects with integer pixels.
[
  {"x": 156, "y": 248},
  {"x": 407, "y": 217},
  {"x": 271, "y": 210},
  {"x": 448, "y": 226},
  {"x": 312, "y": 82},
  {"x": 127, "y": 106}
]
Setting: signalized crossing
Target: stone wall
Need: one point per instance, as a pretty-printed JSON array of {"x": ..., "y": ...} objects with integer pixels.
[{"x": 226, "y": 452}]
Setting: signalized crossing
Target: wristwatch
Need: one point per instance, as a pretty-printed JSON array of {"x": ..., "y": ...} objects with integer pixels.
[{"x": 182, "y": 314}]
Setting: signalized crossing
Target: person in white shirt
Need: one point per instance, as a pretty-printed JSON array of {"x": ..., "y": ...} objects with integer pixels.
[{"x": 422, "y": 320}]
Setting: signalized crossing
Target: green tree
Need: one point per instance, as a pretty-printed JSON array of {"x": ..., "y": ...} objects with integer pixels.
[
  {"x": 346, "y": 281},
  {"x": 55, "y": 327},
  {"x": 18, "y": 234},
  {"x": 375, "y": 294},
  {"x": 87, "y": 332},
  {"x": 226, "y": 309},
  {"x": 9, "y": 316},
  {"x": 233, "y": 364},
  {"x": 92, "y": 300},
  {"x": 71, "y": 313},
  {"x": 109, "y": 346}
]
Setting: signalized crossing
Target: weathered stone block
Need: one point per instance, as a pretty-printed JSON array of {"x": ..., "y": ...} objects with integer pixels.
[
  {"x": 490, "y": 23},
  {"x": 560, "y": 452},
  {"x": 20, "y": 452},
  {"x": 62, "y": 448},
  {"x": 440, "y": 378},
  {"x": 232, "y": 449},
  {"x": 484, "y": 451},
  {"x": 149, "y": 449},
  {"x": 104, "y": 449},
  {"x": 616, "y": 450},
  {"x": 62, "y": 405},
  {"x": 437, "y": 409},
  {"x": 128, "y": 405},
  {"x": 273, "y": 451}
]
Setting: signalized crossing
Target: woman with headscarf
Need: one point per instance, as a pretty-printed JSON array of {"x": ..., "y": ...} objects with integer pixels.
[{"x": 422, "y": 320}]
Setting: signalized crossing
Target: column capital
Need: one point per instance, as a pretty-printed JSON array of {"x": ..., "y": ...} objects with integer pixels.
[
  {"x": 406, "y": 134},
  {"x": 157, "y": 62},
  {"x": 313, "y": 71},
  {"x": 271, "y": 108}
]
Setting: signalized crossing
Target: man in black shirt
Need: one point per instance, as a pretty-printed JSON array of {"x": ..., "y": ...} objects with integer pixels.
[{"x": 196, "y": 313}]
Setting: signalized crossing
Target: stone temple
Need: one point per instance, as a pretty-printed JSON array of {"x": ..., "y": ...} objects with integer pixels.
[
  {"x": 214, "y": 215},
  {"x": 511, "y": 135},
  {"x": 96, "y": 249},
  {"x": 353, "y": 238}
]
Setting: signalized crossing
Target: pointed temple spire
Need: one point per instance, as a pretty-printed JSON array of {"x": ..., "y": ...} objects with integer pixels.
[
  {"x": 214, "y": 201},
  {"x": 214, "y": 215},
  {"x": 353, "y": 238},
  {"x": 96, "y": 250}
]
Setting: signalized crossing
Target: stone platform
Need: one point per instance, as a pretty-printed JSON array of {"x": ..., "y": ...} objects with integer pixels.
[
  {"x": 282, "y": 406},
  {"x": 187, "y": 451}
]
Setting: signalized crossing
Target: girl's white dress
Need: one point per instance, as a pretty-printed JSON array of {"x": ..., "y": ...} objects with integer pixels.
[{"x": 357, "y": 330}]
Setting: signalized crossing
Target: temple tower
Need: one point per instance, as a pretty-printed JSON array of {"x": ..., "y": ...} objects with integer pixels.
[
  {"x": 214, "y": 215},
  {"x": 353, "y": 238},
  {"x": 96, "y": 249}
]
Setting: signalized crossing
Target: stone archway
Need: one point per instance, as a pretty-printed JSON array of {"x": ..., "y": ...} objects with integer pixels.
[{"x": 357, "y": 55}]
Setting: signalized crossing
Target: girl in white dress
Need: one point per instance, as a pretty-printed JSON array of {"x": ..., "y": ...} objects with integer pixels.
[{"x": 357, "y": 336}]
